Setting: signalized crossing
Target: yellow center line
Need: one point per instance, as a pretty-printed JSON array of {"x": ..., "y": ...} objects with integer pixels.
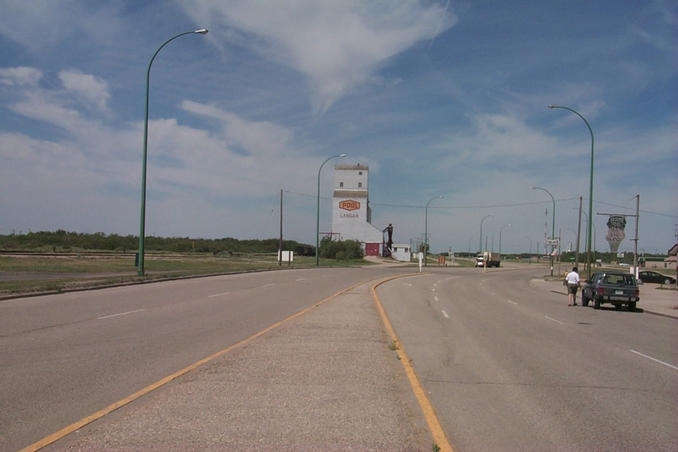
[
  {"x": 429, "y": 413},
  {"x": 152, "y": 387}
]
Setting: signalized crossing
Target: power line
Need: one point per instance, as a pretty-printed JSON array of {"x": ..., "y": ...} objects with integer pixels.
[
  {"x": 487, "y": 206},
  {"x": 644, "y": 211}
]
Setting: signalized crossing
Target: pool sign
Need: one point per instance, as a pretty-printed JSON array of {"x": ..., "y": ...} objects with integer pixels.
[{"x": 349, "y": 205}]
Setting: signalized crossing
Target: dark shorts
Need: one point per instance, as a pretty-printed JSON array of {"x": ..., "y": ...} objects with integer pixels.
[{"x": 572, "y": 288}]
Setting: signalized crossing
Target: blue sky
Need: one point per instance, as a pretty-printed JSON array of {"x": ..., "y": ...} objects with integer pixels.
[{"x": 438, "y": 98}]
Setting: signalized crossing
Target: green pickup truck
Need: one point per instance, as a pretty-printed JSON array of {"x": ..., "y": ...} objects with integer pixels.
[{"x": 616, "y": 288}]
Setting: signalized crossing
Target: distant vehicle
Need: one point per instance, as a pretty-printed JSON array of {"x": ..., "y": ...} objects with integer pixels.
[
  {"x": 616, "y": 288},
  {"x": 647, "y": 276},
  {"x": 489, "y": 259}
]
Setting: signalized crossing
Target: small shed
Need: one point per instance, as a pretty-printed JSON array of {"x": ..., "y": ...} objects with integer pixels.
[{"x": 401, "y": 252}]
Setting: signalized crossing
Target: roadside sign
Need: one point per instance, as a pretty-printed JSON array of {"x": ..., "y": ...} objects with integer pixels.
[{"x": 553, "y": 242}]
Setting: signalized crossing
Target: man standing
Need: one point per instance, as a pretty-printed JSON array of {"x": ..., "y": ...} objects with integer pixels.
[{"x": 572, "y": 281}]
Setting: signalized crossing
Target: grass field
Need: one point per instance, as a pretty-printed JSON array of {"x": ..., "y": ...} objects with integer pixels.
[{"x": 27, "y": 274}]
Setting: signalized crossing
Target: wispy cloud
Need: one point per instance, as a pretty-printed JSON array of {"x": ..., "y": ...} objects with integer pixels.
[
  {"x": 93, "y": 90},
  {"x": 46, "y": 24},
  {"x": 337, "y": 45},
  {"x": 21, "y": 75}
]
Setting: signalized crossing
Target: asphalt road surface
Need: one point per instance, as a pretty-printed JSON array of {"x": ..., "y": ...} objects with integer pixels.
[
  {"x": 509, "y": 366},
  {"x": 506, "y": 363},
  {"x": 64, "y": 357}
]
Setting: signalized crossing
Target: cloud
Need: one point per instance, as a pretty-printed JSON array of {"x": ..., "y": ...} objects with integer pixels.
[
  {"x": 19, "y": 76},
  {"x": 337, "y": 45},
  {"x": 45, "y": 24},
  {"x": 87, "y": 87},
  {"x": 253, "y": 137},
  {"x": 91, "y": 165}
]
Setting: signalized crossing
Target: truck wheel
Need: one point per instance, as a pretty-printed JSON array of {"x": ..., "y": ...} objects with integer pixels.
[
  {"x": 596, "y": 303},
  {"x": 632, "y": 306}
]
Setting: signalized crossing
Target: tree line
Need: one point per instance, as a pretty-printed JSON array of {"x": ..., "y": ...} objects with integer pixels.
[{"x": 61, "y": 240}]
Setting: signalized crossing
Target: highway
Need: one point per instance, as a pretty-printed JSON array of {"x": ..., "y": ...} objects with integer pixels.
[
  {"x": 509, "y": 366},
  {"x": 66, "y": 356},
  {"x": 506, "y": 364}
]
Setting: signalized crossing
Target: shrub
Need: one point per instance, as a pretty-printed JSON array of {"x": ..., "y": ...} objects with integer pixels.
[{"x": 340, "y": 249}]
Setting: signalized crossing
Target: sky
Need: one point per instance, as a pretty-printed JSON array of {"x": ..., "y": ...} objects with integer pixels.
[{"x": 438, "y": 98}]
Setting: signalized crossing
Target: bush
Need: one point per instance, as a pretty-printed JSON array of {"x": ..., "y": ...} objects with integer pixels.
[{"x": 340, "y": 249}]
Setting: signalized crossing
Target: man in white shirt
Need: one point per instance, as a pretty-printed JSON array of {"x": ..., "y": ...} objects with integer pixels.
[{"x": 572, "y": 281}]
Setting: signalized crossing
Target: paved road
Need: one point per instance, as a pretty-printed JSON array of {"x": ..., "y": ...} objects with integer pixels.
[
  {"x": 509, "y": 366},
  {"x": 63, "y": 357}
]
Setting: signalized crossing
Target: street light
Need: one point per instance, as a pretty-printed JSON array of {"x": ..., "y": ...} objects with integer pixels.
[
  {"x": 426, "y": 227},
  {"x": 142, "y": 221},
  {"x": 317, "y": 219},
  {"x": 480, "y": 246},
  {"x": 553, "y": 222},
  {"x": 588, "y": 242},
  {"x": 501, "y": 229}
]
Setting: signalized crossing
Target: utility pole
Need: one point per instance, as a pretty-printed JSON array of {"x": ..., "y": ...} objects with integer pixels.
[
  {"x": 576, "y": 258},
  {"x": 635, "y": 248},
  {"x": 280, "y": 247},
  {"x": 560, "y": 248}
]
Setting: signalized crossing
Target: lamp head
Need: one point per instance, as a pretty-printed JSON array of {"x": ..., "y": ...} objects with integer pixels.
[
  {"x": 343, "y": 155},
  {"x": 202, "y": 31},
  {"x": 552, "y": 106}
]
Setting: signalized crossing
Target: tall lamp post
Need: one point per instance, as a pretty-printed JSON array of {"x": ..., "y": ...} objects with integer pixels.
[
  {"x": 480, "y": 245},
  {"x": 317, "y": 216},
  {"x": 553, "y": 222},
  {"x": 426, "y": 227},
  {"x": 142, "y": 221},
  {"x": 588, "y": 242}
]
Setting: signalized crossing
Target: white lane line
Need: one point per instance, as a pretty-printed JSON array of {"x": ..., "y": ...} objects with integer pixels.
[
  {"x": 301, "y": 279},
  {"x": 512, "y": 302},
  {"x": 408, "y": 284},
  {"x": 654, "y": 359},
  {"x": 435, "y": 297},
  {"x": 218, "y": 294},
  {"x": 551, "y": 318},
  {"x": 268, "y": 285},
  {"x": 445, "y": 314},
  {"x": 120, "y": 314}
]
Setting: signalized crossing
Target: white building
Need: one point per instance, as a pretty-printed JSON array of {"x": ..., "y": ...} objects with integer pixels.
[
  {"x": 401, "y": 252},
  {"x": 351, "y": 212}
]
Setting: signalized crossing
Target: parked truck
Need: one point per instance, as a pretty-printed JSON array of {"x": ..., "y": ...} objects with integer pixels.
[
  {"x": 616, "y": 288},
  {"x": 488, "y": 259}
]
